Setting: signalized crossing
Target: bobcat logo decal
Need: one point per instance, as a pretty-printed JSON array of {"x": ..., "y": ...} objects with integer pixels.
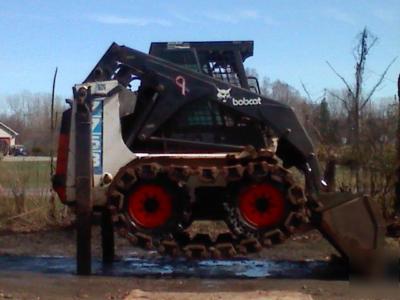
[{"x": 223, "y": 95}]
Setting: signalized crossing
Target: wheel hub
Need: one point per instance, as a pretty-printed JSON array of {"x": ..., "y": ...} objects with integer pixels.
[
  {"x": 150, "y": 206},
  {"x": 262, "y": 205}
]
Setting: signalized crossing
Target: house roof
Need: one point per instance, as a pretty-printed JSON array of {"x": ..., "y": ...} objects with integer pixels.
[{"x": 8, "y": 129}]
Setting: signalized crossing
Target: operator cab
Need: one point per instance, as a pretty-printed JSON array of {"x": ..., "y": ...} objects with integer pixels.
[
  {"x": 220, "y": 60},
  {"x": 202, "y": 120}
]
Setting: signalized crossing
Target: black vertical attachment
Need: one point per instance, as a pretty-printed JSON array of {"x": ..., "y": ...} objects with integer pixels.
[
  {"x": 83, "y": 179},
  {"x": 107, "y": 236},
  {"x": 240, "y": 69},
  {"x": 330, "y": 174}
]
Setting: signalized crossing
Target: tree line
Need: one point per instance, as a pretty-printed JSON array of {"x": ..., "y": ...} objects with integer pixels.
[
  {"x": 350, "y": 125},
  {"x": 29, "y": 114}
]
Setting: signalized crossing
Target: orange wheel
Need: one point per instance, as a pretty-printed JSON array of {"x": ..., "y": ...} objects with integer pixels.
[
  {"x": 262, "y": 205},
  {"x": 150, "y": 205}
]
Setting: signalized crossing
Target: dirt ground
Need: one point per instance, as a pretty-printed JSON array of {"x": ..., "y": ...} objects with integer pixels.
[
  {"x": 37, "y": 285},
  {"x": 62, "y": 243}
]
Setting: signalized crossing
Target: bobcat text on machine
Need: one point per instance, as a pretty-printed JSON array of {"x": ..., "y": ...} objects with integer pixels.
[{"x": 154, "y": 142}]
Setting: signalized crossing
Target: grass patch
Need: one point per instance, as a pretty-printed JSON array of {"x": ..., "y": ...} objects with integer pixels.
[
  {"x": 26, "y": 203},
  {"x": 29, "y": 174},
  {"x": 39, "y": 212},
  {"x": 35, "y": 215}
]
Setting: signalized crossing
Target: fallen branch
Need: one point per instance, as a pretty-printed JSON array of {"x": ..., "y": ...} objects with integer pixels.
[{"x": 24, "y": 214}]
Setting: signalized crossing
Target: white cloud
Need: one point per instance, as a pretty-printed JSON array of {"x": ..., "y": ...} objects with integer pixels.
[
  {"x": 234, "y": 17},
  {"x": 386, "y": 15},
  {"x": 340, "y": 16},
  {"x": 222, "y": 17},
  {"x": 24, "y": 16},
  {"x": 120, "y": 20},
  {"x": 249, "y": 13},
  {"x": 229, "y": 17},
  {"x": 184, "y": 18},
  {"x": 269, "y": 21}
]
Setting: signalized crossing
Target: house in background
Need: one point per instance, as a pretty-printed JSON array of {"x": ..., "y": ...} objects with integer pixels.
[{"x": 7, "y": 138}]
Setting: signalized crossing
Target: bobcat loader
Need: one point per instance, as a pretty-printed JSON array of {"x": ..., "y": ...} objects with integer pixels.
[{"x": 154, "y": 142}]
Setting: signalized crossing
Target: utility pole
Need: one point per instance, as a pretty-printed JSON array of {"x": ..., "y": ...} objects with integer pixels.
[{"x": 397, "y": 187}]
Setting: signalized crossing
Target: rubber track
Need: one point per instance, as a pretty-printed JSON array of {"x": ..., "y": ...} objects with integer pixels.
[{"x": 239, "y": 241}]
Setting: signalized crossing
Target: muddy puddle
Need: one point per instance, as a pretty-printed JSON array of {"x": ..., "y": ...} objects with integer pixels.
[{"x": 141, "y": 267}]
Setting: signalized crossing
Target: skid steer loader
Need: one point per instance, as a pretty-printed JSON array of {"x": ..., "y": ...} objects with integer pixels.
[{"x": 157, "y": 141}]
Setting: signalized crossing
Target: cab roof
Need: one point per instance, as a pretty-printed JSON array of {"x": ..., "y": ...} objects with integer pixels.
[{"x": 245, "y": 47}]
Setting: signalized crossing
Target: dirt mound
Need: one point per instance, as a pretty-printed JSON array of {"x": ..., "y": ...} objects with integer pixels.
[{"x": 255, "y": 295}]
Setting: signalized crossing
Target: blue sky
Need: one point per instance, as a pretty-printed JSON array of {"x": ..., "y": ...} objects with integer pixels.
[{"x": 293, "y": 39}]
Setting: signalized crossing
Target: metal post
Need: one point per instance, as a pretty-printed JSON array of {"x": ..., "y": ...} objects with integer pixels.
[
  {"x": 397, "y": 185},
  {"x": 83, "y": 180},
  {"x": 107, "y": 236}
]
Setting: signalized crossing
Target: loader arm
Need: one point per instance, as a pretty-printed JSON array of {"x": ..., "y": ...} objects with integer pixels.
[{"x": 171, "y": 86}]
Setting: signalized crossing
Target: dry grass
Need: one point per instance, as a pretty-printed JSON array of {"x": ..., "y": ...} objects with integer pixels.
[
  {"x": 29, "y": 174},
  {"x": 26, "y": 202},
  {"x": 37, "y": 214}
]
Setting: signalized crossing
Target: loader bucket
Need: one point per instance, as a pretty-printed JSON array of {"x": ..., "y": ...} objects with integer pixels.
[{"x": 354, "y": 225}]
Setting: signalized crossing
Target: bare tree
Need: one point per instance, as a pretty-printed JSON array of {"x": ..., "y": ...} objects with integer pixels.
[
  {"x": 30, "y": 115},
  {"x": 306, "y": 91},
  {"x": 355, "y": 101}
]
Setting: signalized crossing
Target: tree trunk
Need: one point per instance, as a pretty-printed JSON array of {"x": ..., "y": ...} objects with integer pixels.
[
  {"x": 357, "y": 151},
  {"x": 372, "y": 182},
  {"x": 357, "y": 101}
]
